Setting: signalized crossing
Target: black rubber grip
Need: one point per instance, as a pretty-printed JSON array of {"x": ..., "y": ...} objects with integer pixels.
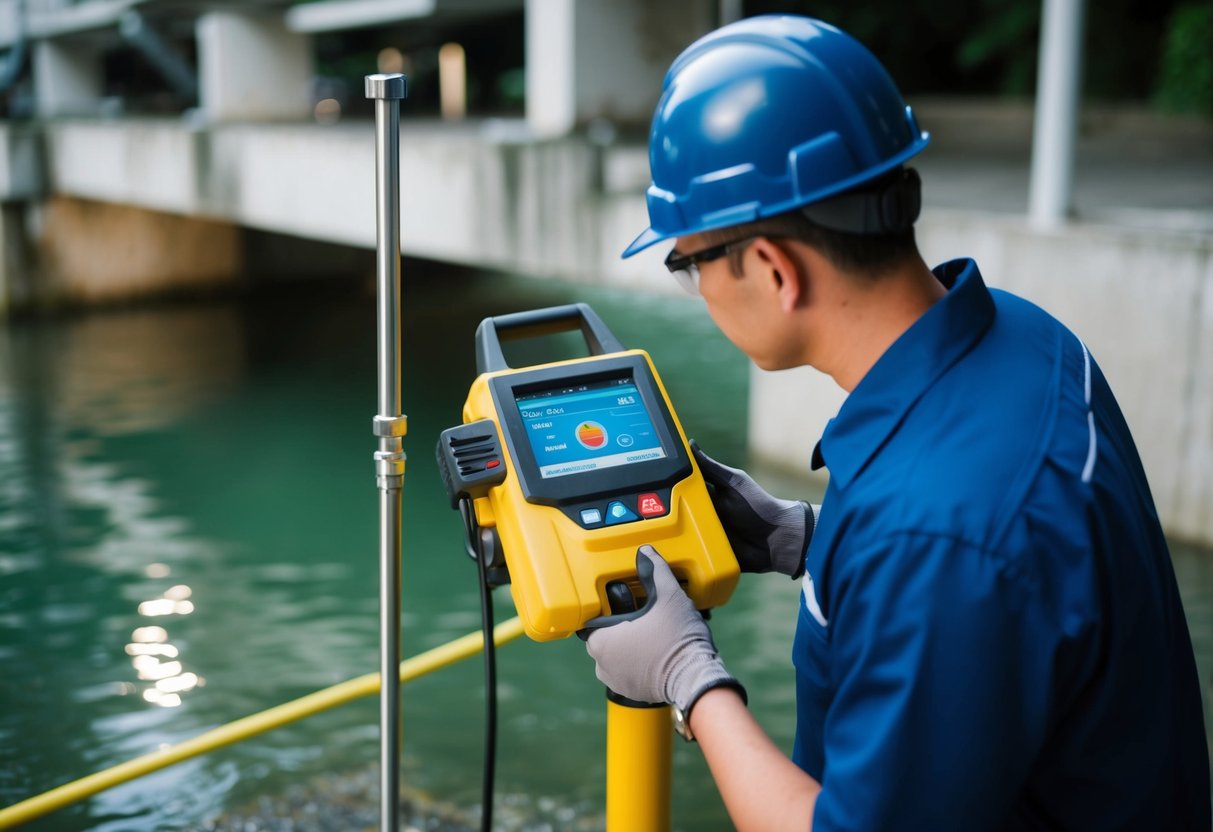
[{"x": 644, "y": 571}]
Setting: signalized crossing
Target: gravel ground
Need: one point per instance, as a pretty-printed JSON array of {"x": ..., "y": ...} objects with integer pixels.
[
  {"x": 350, "y": 803},
  {"x": 337, "y": 804}
]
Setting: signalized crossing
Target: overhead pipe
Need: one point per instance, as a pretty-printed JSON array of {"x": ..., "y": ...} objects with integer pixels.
[
  {"x": 136, "y": 31},
  {"x": 15, "y": 59}
]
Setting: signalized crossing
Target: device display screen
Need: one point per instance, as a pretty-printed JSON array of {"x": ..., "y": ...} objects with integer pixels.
[{"x": 585, "y": 427}]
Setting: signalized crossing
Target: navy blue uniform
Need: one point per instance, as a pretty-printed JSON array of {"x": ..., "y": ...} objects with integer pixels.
[{"x": 990, "y": 633}]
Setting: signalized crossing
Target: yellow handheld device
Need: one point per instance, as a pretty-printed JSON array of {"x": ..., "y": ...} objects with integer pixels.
[{"x": 575, "y": 465}]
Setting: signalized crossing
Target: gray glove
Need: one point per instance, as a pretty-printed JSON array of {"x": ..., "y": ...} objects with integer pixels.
[
  {"x": 665, "y": 653},
  {"x": 766, "y": 533}
]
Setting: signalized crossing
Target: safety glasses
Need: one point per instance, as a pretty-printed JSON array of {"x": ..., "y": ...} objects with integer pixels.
[{"x": 685, "y": 267}]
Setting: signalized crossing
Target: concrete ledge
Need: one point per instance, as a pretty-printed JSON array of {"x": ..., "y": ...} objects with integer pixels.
[
  {"x": 475, "y": 194},
  {"x": 333, "y": 16},
  {"x": 150, "y": 163}
]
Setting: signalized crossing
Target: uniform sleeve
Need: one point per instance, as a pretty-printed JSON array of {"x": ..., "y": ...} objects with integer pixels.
[{"x": 941, "y": 678}]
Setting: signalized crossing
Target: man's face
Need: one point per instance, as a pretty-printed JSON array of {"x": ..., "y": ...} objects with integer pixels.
[{"x": 739, "y": 303}]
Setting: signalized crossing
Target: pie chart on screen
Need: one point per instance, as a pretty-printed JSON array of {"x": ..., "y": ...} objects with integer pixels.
[{"x": 591, "y": 435}]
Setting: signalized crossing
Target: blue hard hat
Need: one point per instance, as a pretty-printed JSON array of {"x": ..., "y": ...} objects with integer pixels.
[{"x": 765, "y": 115}]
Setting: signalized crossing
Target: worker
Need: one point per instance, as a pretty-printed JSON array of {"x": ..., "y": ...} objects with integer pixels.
[{"x": 990, "y": 635}]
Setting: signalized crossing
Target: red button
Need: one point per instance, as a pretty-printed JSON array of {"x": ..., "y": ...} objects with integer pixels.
[
  {"x": 492, "y": 463},
  {"x": 650, "y": 505}
]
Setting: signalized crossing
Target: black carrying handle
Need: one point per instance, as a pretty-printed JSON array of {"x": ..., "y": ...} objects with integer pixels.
[{"x": 537, "y": 322}]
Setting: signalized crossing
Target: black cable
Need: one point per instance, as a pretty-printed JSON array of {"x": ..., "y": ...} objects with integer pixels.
[{"x": 490, "y": 666}]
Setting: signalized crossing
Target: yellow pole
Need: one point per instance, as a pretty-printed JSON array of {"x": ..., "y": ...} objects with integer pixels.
[
  {"x": 638, "y": 768},
  {"x": 250, "y": 726}
]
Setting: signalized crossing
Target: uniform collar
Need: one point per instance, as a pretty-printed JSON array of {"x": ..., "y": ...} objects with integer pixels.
[{"x": 907, "y": 369}]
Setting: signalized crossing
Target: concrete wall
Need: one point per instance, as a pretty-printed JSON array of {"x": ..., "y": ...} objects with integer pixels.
[{"x": 1143, "y": 303}]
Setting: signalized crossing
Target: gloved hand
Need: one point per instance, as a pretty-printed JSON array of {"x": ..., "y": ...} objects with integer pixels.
[
  {"x": 766, "y": 533},
  {"x": 665, "y": 654}
]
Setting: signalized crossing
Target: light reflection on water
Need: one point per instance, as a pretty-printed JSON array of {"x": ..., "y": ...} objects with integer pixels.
[{"x": 188, "y": 536}]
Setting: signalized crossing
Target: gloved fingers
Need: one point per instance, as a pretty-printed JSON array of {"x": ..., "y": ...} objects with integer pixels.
[
  {"x": 600, "y": 641},
  {"x": 659, "y": 584},
  {"x": 734, "y": 488},
  {"x": 717, "y": 473},
  {"x": 655, "y": 574},
  {"x": 735, "y": 504},
  {"x": 647, "y": 657},
  {"x": 735, "y": 495},
  {"x": 663, "y": 591},
  {"x": 666, "y": 654}
]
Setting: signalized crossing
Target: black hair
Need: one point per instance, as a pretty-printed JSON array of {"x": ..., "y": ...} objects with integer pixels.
[
  {"x": 871, "y": 255},
  {"x": 866, "y": 255}
]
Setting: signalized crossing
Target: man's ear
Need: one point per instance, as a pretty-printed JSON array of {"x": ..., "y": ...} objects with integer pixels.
[{"x": 786, "y": 274}]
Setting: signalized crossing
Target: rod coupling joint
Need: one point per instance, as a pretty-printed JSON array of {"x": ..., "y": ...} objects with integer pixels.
[
  {"x": 390, "y": 426},
  {"x": 389, "y": 463}
]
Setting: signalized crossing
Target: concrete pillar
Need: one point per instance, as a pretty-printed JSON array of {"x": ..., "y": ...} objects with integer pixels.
[
  {"x": 252, "y": 69},
  {"x": 731, "y": 10},
  {"x": 67, "y": 78},
  {"x": 588, "y": 59},
  {"x": 21, "y": 169},
  {"x": 10, "y": 22},
  {"x": 1058, "y": 82},
  {"x": 16, "y": 259}
]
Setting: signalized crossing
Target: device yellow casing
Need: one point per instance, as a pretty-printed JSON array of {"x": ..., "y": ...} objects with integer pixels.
[{"x": 559, "y": 570}]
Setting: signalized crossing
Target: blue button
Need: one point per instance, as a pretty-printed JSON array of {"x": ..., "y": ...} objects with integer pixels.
[
  {"x": 590, "y": 516},
  {"x": 617, "y": 512}
]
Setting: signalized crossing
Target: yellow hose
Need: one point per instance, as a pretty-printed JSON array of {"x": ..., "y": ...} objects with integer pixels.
[{"x": 250, "y": 726}]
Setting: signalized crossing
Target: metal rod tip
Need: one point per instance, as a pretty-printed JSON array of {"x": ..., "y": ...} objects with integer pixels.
[{"x": 389, "y": 85}]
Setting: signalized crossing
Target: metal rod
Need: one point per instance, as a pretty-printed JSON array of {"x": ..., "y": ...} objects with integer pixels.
[
  {"x": 1059, "y": 73},
  {"x": 389, "y": 425}
]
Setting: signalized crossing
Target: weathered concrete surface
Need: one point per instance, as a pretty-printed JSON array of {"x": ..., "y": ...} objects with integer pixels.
[{"x": 92, "y": 251}]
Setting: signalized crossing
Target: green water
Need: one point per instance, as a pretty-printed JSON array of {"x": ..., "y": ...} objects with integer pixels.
[
  {"x": 206, "y": 470},
  {"x": 223, "y": 452}
]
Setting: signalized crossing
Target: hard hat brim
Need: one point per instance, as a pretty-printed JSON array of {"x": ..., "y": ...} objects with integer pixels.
[{"x": 647, "y": 238}]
